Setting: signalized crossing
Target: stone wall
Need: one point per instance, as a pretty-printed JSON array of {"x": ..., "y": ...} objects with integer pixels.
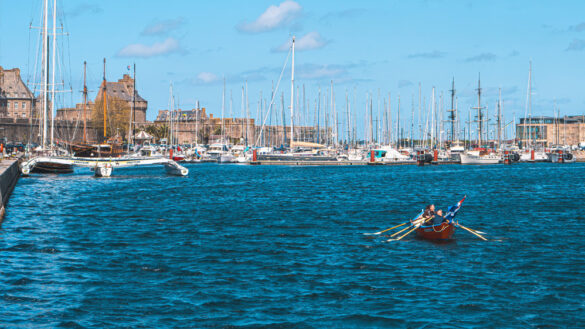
[
  {"x": 9, "y": 174},
  {"x": 22, "y": 130}
]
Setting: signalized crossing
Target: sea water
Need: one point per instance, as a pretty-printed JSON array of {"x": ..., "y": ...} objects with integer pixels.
[{"x": 283, "y": 247}]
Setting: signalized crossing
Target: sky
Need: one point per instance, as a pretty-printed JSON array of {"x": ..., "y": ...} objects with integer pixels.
[{"x": 364, "y": 47}]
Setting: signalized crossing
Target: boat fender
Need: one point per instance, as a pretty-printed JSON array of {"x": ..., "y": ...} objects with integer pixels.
[{"x": 568, "y": 156}]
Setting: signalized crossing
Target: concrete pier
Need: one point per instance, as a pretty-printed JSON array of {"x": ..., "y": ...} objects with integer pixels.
[{"x": 9, "y": 174}]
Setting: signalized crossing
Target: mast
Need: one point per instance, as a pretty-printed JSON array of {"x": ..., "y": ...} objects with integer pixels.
[
  {"x": 479, "y": 113},
  {"x": 433, "y": 109},
  {"x": 530, "y": 100},
  {"x": 292, "y": 91},
  {"x": 53, "y": 112},
  {"x": 499, "y": 118},
  {"x": 133, "y": 125},
  {"x": 334, "y": 116},
  {"x": 197, "y": 115},
  {"x": 45, "y": 78},
  {"x": 247, "y": 112},
  {"x": 283, "y": 119},
  {"x": 412, "y": 124},
  {"x": 452, "y": 114},
  {"x": 319, "y": 117},
  {"x": 222, "y": 110},
  {"x": 84, "y": 103},
  {"x": 171, "y": 109},
  {"x": 348, "y": 117},
  {"x": 105, "y": 100},
  {"x": 398, "y": 134}
]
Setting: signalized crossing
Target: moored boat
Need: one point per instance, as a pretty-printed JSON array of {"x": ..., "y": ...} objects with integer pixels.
[{"x": 443, "y": 231}]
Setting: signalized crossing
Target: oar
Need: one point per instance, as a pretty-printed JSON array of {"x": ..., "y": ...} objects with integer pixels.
[
  {"x": 404, "y": 229},
  {"x": 378, "y": 233},
  {"x": 472, "y": 232},
  {"x": 405, "y": 234},
  {"x": 476, "y": 231}
]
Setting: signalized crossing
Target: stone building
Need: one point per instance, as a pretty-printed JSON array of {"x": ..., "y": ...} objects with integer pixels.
[
  {"x": 122, "y": 89},
  {"x": 195, "y": 126},
  {"x": 75, "y": 113},
  {"x": 16, "y": 100},
  {"x": 550, "y": 131}
]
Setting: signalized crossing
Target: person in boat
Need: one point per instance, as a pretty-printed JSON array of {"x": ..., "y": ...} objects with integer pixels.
[
  {"x": 428, "y": 214},
  {"x": 439, "y": 219}
]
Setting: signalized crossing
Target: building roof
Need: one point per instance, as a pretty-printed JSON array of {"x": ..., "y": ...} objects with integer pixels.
[
  {"x": 121, "y": 89},
  {"x": 12, "y": 86}
]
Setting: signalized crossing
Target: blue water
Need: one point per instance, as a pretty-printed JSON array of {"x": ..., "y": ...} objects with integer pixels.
[{"x": 282, "y": 247}]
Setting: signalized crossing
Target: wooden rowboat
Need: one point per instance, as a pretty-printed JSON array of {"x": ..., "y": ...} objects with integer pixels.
[{"x": 443, "y": 231}]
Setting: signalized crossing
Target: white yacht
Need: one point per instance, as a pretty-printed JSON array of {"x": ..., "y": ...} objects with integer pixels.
[{"x": 479, "y": 158}]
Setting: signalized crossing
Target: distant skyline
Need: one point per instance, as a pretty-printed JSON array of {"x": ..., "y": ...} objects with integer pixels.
[{"x": 364, "y": 46}]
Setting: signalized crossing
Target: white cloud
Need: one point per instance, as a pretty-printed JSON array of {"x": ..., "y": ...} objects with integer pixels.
[
  {"x": 170, "y": 45},
  {"x": 309, "y": 41},
  {"x": 274, "y": 17},
  {"x": 207, "y": 77},
  {"x": 163, "y": 27}
]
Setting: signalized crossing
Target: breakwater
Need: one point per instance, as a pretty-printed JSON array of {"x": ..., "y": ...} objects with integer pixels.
[{"x": 9, "y": 174}]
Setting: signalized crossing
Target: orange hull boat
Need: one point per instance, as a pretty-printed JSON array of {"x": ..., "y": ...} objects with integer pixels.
[{"x": 443, "y": 231}]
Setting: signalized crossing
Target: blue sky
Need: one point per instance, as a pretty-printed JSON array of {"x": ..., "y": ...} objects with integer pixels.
[{"x": 363, "y": 46}]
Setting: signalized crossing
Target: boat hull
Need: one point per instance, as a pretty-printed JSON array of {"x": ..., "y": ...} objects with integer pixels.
[
  {"x": 52, "y": 168},
  {"x": 443, "y": 231},
  {"x": 478, "y": 160}
]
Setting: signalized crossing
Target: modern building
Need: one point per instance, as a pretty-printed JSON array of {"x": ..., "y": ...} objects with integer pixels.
[
  {"x": 550, "y": 131},
  {"x": 16, "y": 100}
]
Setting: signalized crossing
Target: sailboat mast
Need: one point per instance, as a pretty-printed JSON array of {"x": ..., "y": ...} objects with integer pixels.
[
  {"x": 84, "y": 103},
  {"x": 499, "y": 118},
  {"x": 45, "y": 78},
  {"x": 452, "y": 114},
  {"x": 530, "y": 101},
  {"x": 53, "y": 73},
  {"x": 222, "y": 112},
  {"x": 133, "y": 123},
  {"x": 292, "y": 91},
  {"x": 105, "y": 100}
]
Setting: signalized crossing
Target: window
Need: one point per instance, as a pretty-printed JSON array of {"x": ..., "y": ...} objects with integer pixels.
[
  {"x": 24, "y": 115},
  {"x": 23, "y": 105},
  {"x": 16, "y": 105},
  {"x": 8, "y": 105}
]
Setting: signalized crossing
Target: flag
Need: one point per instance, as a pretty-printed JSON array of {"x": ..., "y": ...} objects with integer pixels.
[
  {"x": 452, "y": 211},
  {"x": 128, "y": 67}
]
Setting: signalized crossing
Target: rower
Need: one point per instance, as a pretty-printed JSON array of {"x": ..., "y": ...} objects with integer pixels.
[
  {"x": 428, "y": 214},
  {"x": 439, "y": 214}
]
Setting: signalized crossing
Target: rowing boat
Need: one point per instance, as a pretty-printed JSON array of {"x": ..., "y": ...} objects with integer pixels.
[{"x": 443, "y": 231}]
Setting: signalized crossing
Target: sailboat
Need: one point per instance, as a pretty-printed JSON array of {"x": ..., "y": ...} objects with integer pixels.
[
  {"x": 480, "y": 155},
  {"x": 298, "y": 151},
  {"x": 49, "y": 166}
]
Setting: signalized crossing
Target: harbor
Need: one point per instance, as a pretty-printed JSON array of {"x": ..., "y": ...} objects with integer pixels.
[
  {"x": 291, "y": 238},
  {"x": 291, "y": 164}
]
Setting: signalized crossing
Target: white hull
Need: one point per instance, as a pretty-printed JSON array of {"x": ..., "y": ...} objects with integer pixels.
[
  {"x": 103, "y": 170},
  {"x": 479, "y": 160},
  {"x": 539, "y": 156},
  {"x": 103, "y": 167},
  {"x": 227, "y": 158},
  {"x": 566, "y": 158}
]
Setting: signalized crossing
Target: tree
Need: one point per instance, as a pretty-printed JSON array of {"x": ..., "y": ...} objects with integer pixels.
[
  {"x": 118, "y": 117},
  {"x": 158, "y": 132}
]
